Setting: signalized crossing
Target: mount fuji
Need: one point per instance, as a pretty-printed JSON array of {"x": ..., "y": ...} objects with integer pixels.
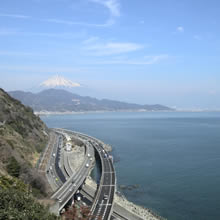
[
  {"x": 58, "y": 82},
  {"x": 55, "y": 95}
]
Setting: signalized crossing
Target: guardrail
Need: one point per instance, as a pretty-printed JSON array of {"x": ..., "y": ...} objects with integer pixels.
[
  {"x": 101, "y": 182},
  {"x": 54, "y": 183},
  {"x": 67, "y": 165},
  {"x": 111, "y": 199},
  {"x": 42, "y": 159},
  {"x": 78, "y": 179}
]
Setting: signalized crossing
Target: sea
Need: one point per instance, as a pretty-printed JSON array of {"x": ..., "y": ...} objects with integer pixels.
[{"x": 168, "y": 162}]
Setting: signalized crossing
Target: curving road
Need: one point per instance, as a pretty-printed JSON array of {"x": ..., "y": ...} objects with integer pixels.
[
  {"x": 69, "y": 188},
  {"x": 103, "y": 202},
  {"x": 102, "y": 205}
]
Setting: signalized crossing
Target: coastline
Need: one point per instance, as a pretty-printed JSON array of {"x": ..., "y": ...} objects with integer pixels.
[
  {"x": 94, "y": 112},
  {"x": 48, "y": 113},
  {"x": 120, "y": 200},
  {"x": 135, "y": 209}
]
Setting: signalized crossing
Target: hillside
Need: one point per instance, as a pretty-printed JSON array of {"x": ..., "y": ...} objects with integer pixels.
[
  {"x": 17, "y": 203},
  {"x": 22, "y": 135},
  {"x": 57, "y": 100}
]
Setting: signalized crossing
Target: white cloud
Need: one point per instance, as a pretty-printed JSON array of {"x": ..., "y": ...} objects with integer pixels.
[
  {"x": 147, "y": 60},
  {"x": 105, "y": 49},
  {"x": 65, "y": 35},
  {"x": 180, "y": 29},
  {"x": 41, "y": 69},
  {"x": 8, "y": 31},
  {"x": 155, "y": 59},
  {"x": 112, "y": 5},
  {"x": 19, "y": 53},
  {"x": 109, "y": 22},
  {"x": 67, "y": 22},
  {"x": 212, "y": 92},
  {"x": 91, "y": 40},
  {"x": 14, "y": 16},
  {"x": 197, "y": 37}
]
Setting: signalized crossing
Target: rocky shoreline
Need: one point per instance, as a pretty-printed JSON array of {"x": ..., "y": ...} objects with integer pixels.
[{"x": 142, "y": 212}]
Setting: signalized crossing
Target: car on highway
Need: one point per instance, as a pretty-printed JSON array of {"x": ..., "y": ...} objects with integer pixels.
[
  {"x": 105, "y": 196},
  {"x": 87, "y": 165},
  {"x": 54, "y": 154}
]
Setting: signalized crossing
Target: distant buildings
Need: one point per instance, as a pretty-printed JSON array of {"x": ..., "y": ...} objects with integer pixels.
[
  {"x": 68, "y": 138},
  {"x": 68, "y": 146}
]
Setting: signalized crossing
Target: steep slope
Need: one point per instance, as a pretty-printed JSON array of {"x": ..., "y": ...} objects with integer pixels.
[
  {"x": 22, "y": 134},
  {"x": 62, "y": 100},
  {"x": 18, "y": 203}
]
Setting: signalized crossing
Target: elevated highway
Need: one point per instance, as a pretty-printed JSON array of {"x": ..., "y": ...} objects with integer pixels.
[
  {"x": 103, "y": 201},
  {"x": 54, "y": 174},
  {"x": 69, "y": 188},
  {"x": 100, "y": 200}
]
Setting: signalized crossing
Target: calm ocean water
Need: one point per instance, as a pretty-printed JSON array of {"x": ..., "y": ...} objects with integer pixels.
[{"x": 174, "y": 158}]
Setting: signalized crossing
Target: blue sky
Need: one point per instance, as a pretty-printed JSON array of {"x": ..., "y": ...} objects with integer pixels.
[{"x": 143, "y": 51}]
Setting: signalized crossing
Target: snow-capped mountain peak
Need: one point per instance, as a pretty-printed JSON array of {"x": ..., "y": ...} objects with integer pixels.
[{"x": 59, "y": 81}]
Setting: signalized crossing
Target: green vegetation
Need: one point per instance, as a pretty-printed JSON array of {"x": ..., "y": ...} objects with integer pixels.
[
  {"x": 7, "y": 183},
  {"x": 17, "y": 203},
  {"x": 13, "y": 167},
  {"x": 22, "y": 137}
]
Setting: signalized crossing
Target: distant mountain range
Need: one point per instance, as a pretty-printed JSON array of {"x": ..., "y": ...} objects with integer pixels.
[{"x": 59, "y": 100}]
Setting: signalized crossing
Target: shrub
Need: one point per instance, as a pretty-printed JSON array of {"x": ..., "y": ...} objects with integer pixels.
[
  {"x": 15, "y": 204},
  {"x": 13, "y": 167},
  {"x": 36, "y": 180}
]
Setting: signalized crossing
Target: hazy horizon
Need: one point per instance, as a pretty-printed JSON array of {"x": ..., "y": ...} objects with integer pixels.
[{"x": 144, "y": 52}]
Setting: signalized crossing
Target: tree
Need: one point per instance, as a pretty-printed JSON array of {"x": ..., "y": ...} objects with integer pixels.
[
  {"x": 18, "y": 205},
  {"x": 13, "y": 167},
  {"x": 82, "y": 213}
]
